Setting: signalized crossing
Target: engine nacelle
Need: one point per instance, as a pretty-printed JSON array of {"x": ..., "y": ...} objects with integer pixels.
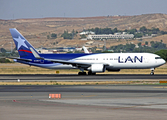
[{"x": 97, "y": 68}]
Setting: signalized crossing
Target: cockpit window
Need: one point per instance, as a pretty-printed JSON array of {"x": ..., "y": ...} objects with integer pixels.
[{"x": 158, "y": 58}]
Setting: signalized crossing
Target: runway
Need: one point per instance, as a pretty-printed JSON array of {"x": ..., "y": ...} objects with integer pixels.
[
  {"x": 93, "y": 102},
  {"x": 72, "y": 77}
]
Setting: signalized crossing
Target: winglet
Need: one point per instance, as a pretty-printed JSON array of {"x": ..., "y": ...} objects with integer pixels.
[
  {"x": 85, "y": 49},
  {"x": 36, "y": 55}
]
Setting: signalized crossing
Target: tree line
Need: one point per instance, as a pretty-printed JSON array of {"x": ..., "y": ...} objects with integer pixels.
[
  {"x": 143, "y": 31},
  {"x": 137, "y": 33},
  {"x": 155, "y": 46}
]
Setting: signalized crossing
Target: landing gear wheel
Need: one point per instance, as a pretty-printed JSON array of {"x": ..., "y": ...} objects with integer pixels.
[
  {"x": 81, "y": 73},
  {"x": 152, "y": 73},
  {"x": 90, "y": 73}
]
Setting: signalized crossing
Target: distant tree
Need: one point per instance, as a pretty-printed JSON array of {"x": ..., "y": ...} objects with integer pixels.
[
  {"x": 66, "y": 35},
  {"x": 48, "y": 36},
  {"x": 4, "y": 60},
  {"x": 73, "y": 33},
  {"x": 146, "y": 43},
  {"x": 125, "y": 30},
  {"x": 2, "y": 50},
  {"x": 83, "y": 36},
  {"x": 163, "y": 32},
  {"x": 107, "y": 31},
  {"x": 97, "y": 30},
  {"x": 107, "y": 51},
  {"x": 54, "y": 36},
  {"x": 78, "y": 51},
  {"x": 69, "y": 52},
  {"x": 143, "y": 29},
  {"x": 138, "y": 35},
  {"x": 155, "y": 30},
  {"x": 115, "y": 30},
  {"x": 158, "y": 45},
  {"x": 162, "y": 53},
  {"x": 152, "y": 42},
  {"x": 139, "y": 44},
  {"x": 129, "y": 47},
  {"x": 132, "y": 31},
  {"x": 93, "y": 49}
]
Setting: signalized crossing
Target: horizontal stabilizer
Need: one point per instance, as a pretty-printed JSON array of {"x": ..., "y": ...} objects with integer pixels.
[
  {"x": 27, "y": 60},
  {"x": 36, "y": 55}
]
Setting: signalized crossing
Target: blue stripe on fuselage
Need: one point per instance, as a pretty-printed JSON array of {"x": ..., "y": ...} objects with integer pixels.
[{"x": 64, "y": 56}]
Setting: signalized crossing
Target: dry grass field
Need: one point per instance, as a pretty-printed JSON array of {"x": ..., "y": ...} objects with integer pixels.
[
  {"x": 36, "y": 30},
  {"x": 17, "y": 68},
  {"x": 81, "y": 82}
]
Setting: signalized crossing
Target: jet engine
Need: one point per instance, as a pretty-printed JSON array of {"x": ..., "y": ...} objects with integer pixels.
[{"x": 97, "y": 68}]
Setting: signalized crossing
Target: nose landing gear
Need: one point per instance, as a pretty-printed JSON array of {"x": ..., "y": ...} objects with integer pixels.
[{"x": 152, "y": 71}]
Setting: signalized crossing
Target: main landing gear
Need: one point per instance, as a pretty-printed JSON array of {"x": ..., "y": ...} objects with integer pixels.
[
  {"x": 81, "y": 73},
  {"x": 90, "y": 73},
  {"x": 84, "y": 73},
  {"x": 152, "y": 71}
]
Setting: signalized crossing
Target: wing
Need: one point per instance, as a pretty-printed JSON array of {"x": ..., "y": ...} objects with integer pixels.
[{"x": 72, "y": 62}]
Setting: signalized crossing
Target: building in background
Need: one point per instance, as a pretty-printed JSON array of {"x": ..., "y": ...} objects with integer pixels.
[{"x": 111, "y": 36}]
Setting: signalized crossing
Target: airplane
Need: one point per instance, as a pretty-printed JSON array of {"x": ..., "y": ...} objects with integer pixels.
[{"x": 91, "y": 62}]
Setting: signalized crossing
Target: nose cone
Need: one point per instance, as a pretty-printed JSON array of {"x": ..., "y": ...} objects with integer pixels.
[{"x": 163, "y": 61}]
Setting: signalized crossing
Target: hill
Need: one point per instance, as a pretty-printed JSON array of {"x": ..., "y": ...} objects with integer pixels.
[{"x": 36, "y": 30}]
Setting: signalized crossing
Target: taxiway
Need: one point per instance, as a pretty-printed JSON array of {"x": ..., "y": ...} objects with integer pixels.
[{"x": 73, "y": 77}]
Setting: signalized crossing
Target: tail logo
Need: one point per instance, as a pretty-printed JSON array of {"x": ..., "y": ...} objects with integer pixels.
[{"x": 20, "y": 42}]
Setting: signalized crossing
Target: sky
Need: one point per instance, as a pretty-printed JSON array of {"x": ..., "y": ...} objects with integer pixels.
[{"x": 17, "y": 9}]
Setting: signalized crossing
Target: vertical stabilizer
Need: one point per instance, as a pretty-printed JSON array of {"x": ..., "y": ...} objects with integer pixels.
[{"x": 22, "y": 45}]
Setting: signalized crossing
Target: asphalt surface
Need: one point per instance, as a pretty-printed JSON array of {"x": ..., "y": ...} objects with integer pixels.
[
  {"x": 71, "y": 77},
  {"x": 93, "y": 102},
  {"x": 84, "y": 88}
]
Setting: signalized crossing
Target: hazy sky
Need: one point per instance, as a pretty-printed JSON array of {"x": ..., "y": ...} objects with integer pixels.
[{"x": 14, "y": 9}]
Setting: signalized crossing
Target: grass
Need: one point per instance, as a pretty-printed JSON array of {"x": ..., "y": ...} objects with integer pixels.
[
  {"x": 17, "y": 68},
  {"x": 156, "y": 82}
]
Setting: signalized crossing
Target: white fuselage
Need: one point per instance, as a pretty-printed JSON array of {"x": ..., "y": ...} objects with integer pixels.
[
  {"x": 125, "y": 60},
  {"x": 114, "y": 60}
]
